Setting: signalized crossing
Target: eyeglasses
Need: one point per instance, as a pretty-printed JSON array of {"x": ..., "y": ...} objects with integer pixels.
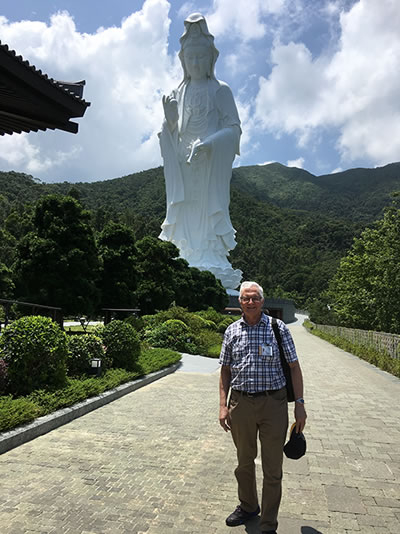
[{"x": 248, "y": 299}]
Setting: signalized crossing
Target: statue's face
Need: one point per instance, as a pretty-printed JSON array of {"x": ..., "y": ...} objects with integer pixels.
[{"x": 197, "y": 61}]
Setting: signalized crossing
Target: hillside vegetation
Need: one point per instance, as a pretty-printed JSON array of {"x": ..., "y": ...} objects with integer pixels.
[{"x": 292, "y": 227}]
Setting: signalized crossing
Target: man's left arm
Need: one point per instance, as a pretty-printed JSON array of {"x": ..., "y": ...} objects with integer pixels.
[{"x": 299, "y": 410}]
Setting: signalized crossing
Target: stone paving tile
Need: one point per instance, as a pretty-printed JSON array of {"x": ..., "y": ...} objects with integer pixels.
[{"x": 157, "y": 462}]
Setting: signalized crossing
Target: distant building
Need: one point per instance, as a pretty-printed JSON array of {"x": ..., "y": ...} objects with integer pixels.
[
  {"x": 31, "y": 101},
  {"x": 280, "y": 308}
]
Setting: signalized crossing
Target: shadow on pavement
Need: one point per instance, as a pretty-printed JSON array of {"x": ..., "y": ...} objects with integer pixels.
[{"x": 253, "y": 527}]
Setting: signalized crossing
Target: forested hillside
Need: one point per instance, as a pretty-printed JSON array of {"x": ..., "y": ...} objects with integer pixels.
[
  {"x": 356, "y": 194},
  {"x": 292, "y": 227}
]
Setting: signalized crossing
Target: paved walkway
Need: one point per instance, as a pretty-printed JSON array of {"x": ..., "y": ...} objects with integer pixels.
[{"x": 157, "y": 462}]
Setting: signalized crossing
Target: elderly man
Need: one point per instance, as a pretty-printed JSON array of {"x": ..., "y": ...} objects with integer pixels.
[{"x": 251, "y": 369}]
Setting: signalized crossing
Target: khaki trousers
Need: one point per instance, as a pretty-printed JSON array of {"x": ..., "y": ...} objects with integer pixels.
[{"x": 264, "y": 416}]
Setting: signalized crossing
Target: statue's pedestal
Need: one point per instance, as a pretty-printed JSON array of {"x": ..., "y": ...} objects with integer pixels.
[
  {"x": 230, "y": 278},
  {"x": 233, "y": 293}
]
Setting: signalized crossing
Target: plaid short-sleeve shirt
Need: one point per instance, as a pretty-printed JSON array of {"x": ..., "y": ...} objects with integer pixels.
[{"x": 252, "y": 353}]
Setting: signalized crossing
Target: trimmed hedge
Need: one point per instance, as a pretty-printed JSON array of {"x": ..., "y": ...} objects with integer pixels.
[
  {"x": 223, "y": 325},
  {"x": 82, "y": 349},
  {"x": 14, "y": 412},
  {"x": 173, "y": 334},
  {"x": 34, "y": 349},
  {"x": 121, "y": 343}
]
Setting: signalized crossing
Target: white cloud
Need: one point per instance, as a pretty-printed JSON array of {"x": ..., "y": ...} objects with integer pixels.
[
  {"x": 127, "y": 68},
  {"x": 239, "y": 59},
  {"x": 290, "y": 100},
  {"x": 187, "y": 9},
  {"x": 335, "y": 171},
  {"x": 242, "y": 19},
  {"x": 356, "y": 89},
  {"x": 18, "y": 152},
  {"x": 299, "y": 163},
  {"x": 248, "y": 144}
]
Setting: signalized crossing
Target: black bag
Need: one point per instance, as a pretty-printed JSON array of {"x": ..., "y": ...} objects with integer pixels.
[{"x": 284, "y": 363}]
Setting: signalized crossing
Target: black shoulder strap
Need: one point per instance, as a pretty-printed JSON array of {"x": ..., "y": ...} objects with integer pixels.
[
  {"x": 275, "y": 328},
  {"x": 284, "y": 363}
]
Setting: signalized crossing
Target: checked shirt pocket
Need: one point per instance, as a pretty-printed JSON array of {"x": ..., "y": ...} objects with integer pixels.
[{"x": 238, "y": 352}]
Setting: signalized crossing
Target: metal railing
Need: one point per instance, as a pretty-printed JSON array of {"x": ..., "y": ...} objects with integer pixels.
[
  {"x": 52, "y": 311},
  {"x": 382, "y": 341}
]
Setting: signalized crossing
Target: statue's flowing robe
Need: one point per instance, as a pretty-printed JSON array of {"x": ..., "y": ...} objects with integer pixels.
[{"x": 197, "y": 219}]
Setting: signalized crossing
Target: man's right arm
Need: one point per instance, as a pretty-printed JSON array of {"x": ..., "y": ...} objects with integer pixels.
[{"x": 224, "y": 385}]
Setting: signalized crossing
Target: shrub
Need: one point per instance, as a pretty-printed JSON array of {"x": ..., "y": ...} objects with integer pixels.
[
  {"x": 3, "y": 376},
  {"x": 176, "y": 325},
  {"x": 14, "y": 412},
  {"x": 208, "y": 343},
  {"x": 211, "y": 315},
  {"x": 82, "y": 349},
  {"x": 174, "y": 312},
  {"x": 135, "y": 321},
  {"x": 195, "y": 322},
  {"x": 154, "y": 359},
  {"x": 223, "y": 325},
  {"x": 122, "y": 344},
  {"x": 35, "y": 351},
  {"x": 173, "y": 334},
  {"x": 151, "y": 321}
]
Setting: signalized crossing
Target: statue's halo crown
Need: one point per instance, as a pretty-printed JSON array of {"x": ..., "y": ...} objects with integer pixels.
[{"x": 194, "y": 17}]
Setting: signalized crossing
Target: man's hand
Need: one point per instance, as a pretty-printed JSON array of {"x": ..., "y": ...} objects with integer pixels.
[
  {"x": 300, "y": 416},
  {"x": 224, "y": 419}
]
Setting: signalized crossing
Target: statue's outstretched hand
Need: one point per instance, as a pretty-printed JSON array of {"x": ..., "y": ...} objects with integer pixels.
[
  {"x": 170, "y": 105},
  {"x": 198, "y": 147}
]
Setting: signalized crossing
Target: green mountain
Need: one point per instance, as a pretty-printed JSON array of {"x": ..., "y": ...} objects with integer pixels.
[
  {"x": 356, "y": 194},
  {"x": 292, "y": 227}
]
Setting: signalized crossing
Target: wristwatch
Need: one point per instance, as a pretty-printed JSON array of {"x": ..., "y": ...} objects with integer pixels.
[{"x": 300, "y": 401}]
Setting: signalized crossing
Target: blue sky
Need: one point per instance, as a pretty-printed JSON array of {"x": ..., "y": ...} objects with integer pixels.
[{"x": 316, "y": 82}]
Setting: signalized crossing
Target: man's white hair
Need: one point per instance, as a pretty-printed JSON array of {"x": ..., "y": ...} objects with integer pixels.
[{"x": 248, "y": 285}]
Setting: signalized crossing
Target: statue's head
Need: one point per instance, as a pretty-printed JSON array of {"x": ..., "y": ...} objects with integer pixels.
[{"x": 198, "y": 42}]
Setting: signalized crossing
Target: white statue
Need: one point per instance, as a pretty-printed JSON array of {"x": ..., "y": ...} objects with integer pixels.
[{"x": 199, "y": 140}]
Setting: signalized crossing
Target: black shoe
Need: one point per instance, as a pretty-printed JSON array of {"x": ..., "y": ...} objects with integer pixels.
[
  {"x": 268, "y": 532},
  {"x": 240, "y": 516}
]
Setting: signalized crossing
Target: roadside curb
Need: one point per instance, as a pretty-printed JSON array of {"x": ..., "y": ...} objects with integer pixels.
[{"x": 42, "y": 425}]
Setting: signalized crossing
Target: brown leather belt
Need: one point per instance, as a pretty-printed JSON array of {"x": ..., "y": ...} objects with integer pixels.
[{"x": 255, "y": 394}]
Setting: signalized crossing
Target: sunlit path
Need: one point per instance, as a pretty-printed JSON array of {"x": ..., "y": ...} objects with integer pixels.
[{"x": 156, "y": 461}]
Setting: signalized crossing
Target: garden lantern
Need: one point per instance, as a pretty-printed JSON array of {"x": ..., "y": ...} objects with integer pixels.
[{"x": 95, "y": 366}]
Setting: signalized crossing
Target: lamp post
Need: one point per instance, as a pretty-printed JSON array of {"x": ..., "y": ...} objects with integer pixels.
[
  {"x": 84, "y": 323},
  {"x": 95, "y": 366}
]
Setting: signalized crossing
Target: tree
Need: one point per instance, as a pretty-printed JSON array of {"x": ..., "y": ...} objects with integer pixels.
[
  {"x": 154, "y": 260},
  {"x": 57, "y": 262},
  {"x": 366, "y": 288},
  {"x": 118, "y": 275},
  {"x": 164, "y": 278},
  {"x": 6, "y": 283},
  {"x": 7, "y": 247},
  {"x": 197, "y": 290}
]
